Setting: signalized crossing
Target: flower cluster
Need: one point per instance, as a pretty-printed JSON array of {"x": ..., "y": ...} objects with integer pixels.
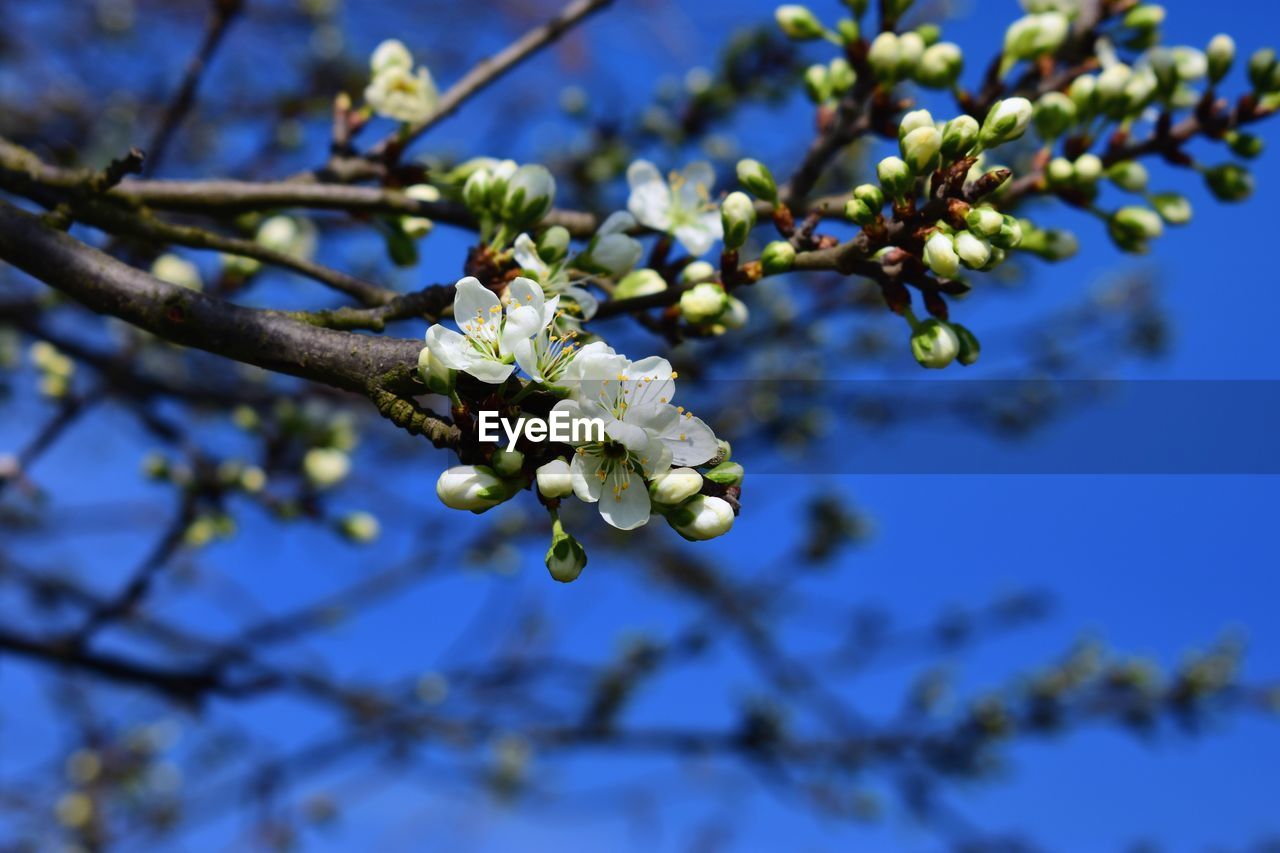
[{"x": 397, "y": 91}]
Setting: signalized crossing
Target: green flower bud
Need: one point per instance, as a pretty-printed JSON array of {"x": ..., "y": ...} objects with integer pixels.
[
  {"x": 856, "y": 210},
  {"x": 529, "y": 195},
  {"x": 1245, "y": 145},
  {"x": 554, "y": 479},
  {"x": 566, "y": 558},
  {"x": 1173, "y": 208},
  {"x": 797, "y": 22},
  {"x": 914, "y": 120},
  {"x": 675, "y": 487},
  {"x": 1191, "y": 64},
  {"x": 1220, "y": 54},
  {"x": 1146, "y": 16},
  {"x": 1131, "y": 227},
  {"x": 325, "y": 467},
  {"x": 360, "y": 527},
  {"x": 697, "y": 271},
  {"x": 817, "y": 83},
  {"x": 959, "y": 136},
  {"x": 1110, "y": 87},
  {"x": 435, "y": 374},
  {"x": 940, "y": 255},
  {"x": 974, "y": 251},
  {"x": 1033, "y": 36},
  {"x": 641, "y": 282},
  {"x": 1006, "y": 121},
  {"x": 970, "y": 349},
  {"x": 871, "y": 195},
  {"x": 1052, "y": 244},
  {"x": 474, "y": 488},
  {"x": 1083, "y": 93},
  {"x": 1262, "y": 68},
  {"x": 738, "y": 216},
  {"x": 475, "y": 192},
  {"x": 703, "y": 302},
  {"x": 848, "y": 30},
  {"x": 1229, "y": 182},
  {"x": 884, "y": 56},
  {"x": 1054, "y": 114},
  {"x": 895, "y": 177},
  {"x": 985, "y": 221},
  {"x": 777, "y": 257},
  {"x": 702, "y": 517},
  {"x": 507, "y": 463},
  {"x": 1009, "y": 235},
  {"x": 1088, "y": 169},
  {"x": 553, "y": 245},
  {"x": 726, "y": 474},
  {"x": 757, "y": 178},
  {"x": 934, "y": 344},
  {"x": 1129, "y": 175},
  {"x": 921, "y": 149},
  {"x": 910, "y": 51},
  {"x": 940, "y": 65},
  {"x": 841, "y": 75},
  {"x": 1060, "y": 172}
]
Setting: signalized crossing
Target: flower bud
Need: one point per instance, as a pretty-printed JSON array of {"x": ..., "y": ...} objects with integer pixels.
[
  {"x": 895, "y": 177},
  {"x": 1083, "y": 93},
  {"x": 984, "y": 221},
  {"x": 1052, "y": 244},
  {"x": 738, "y": 216},
  {"x": 1220, "y": 54},
  {"x": 841, "y": 75},
  {"x": 970, "y": 349},
  {"x": 777, "y": 257},
  {"x": 1262, "y": 70},
  {"x": 912, "y": 121},
  {"x": 856, "y": 210},
  {"x": 1146, "y": 16},
  {"x": 1229, "y": 182},
  {"x": 401, "y": 247},
  {"x": 325, "y": 467},
  {"x": 703, "y": 517},
  {"x": 1088, "y": 169},
  {"x": 698, "y": 271},
  {"x": 797, "y": 22},
  {"x": 1129, "y": 175},
  {"x": 566, "y": 558},
  {"x": 734, "y": 316},
  {"x": 507, "y": 463},
  {"x": 1245, "y": 145},
  {"x": 554, "y": 479},
  {"x": 870, "y": 194},
  {"x": 529, "y": 195},
  {"x": 959, "y": 136},
  {"x": 475, "y": 488},
  {"x": 675, "y": 486},
  {"x": 612, "y": 249},
  {"x": 641, "y": 282},
  {"x": 757, "y": 178},
  {"x": 940, "y": 65},
  {"x": 1191, "y": 64},
  {"x": 360, "y": 527},
  {"x": 553, "y": 245},
  {"x": 726, "y": 474},
  {"x": 934, "y": 344},
  {"x": 390, "y": 54},
  {"x": 910, "y": 51},
  {"x": 1009, "y": 235},
  {"x": 703, "y": 302},
  {"x": 883, "y": 56},
  {"x": 1033, "y": 36},
  {"x": 974, "y": 252},
  {"x": 1007, "y": 121},
  {"x": 1173, "y": 208},
  {"x": 921, "y": 149},
  {"x": 176, "y": 270},
  {"x": 1054, "y": 114},
  {"x": 817, "y": 83},
  {"x": 435, "y": 374},
  {"x": 1131, "y": 227},
  {"x": 848, "y": 30},
  {"x": 475, "y": 192},
  {"x": 1060, "y": 172},
  {"x": 1110, "y": 88},
  {"x": 940, "y": 255}
]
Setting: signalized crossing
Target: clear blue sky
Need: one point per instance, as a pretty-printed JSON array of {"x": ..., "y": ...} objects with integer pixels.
[{"x": 1154, "y": 564}]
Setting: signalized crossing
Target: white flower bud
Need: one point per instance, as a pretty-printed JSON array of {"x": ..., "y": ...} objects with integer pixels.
[
  {"x": 910, "y": 51},
  {"x": 797, "y": 22},
  {"x": 738, "y": 216},
  {"x": 176, "y": 270},
  {"x": 470, "y": 487},
  {"x": 921, "y": 149},
  {"x": 984, "y": 221},
  {"x": 959, "y": 136},
  {"x": 507, "y": 463},
  {"x": 884, "y": 56},
  {"x": 1131, "y": 227},
  {"x": 697, "y": 271},
  {"x": 435, "y": 374},
  {"x": 641, "y": 282},
  {"x": 914, "y": 120},
  {"x": 325, "y": 467},
  {"x": 777, "y": 257},
  {"x": 1220, "y": 55},
  {"x": 1060, "y": 172},
  {"x": 675, "y": 487},
  {"x": 817, "y": 83},
  {"x": 1010, "y": 234},
  {"x": 554, "y": 479},
  {"x": 1007, "y": 121},
  {"x": 566, "y": 558},
  {"x": 1088, "y": 169},
  {"x": 703, "y": 517},
  {"x": 1034, "y": 36},
  {"x": 757, "y": 178},
  {"x": 612, "y": 249},
  {"x": 390, "y": 54},
  {"x": 1173, "y": 208},
  {"x": 895, "y": 176},
  {"x": 294, "y": 237},
  {"x": 934, "y": 344},
  {"x": 1054, "y": 114},
  {"x": 553, "y": 245},
  {"x": 1129, "y": 175},
  {"x": 974, "y": 252},
  {"x": 475, "y": 192},
  {"x": 735, "y": 315},
  {"x": 940, "y": 65},
  {"x": 1083, "y": 93},
  {"x": 940, "y": 255},
  {"x": 703, "y": 302},
  {"x": 1111, "y": 84},
  {"x": 841, "y": 75},
  {"x": 529, "y": 195},
  {"x": 360, "y": 527}
]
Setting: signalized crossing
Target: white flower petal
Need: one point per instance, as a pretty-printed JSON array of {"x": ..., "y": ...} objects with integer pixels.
[
  {"x": 650, "y": 200},
  {"x": 695, "y": 239},
  {"x": 452, "y": 349},
  {"x": 526, "y": 255},
  {"x": 625, "y": 509},
  {"x": 487, "y": 370},
  {"x": 584, "y": 470},
  {"x": 473, "y": 301}
]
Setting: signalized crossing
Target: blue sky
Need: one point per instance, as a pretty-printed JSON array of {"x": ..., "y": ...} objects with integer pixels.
[{"x": 1154, "y": 564}]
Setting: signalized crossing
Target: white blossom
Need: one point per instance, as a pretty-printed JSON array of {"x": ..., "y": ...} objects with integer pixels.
[
  {"x": 490, "y": 330},
  {"x": 682, "y": 208}
]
